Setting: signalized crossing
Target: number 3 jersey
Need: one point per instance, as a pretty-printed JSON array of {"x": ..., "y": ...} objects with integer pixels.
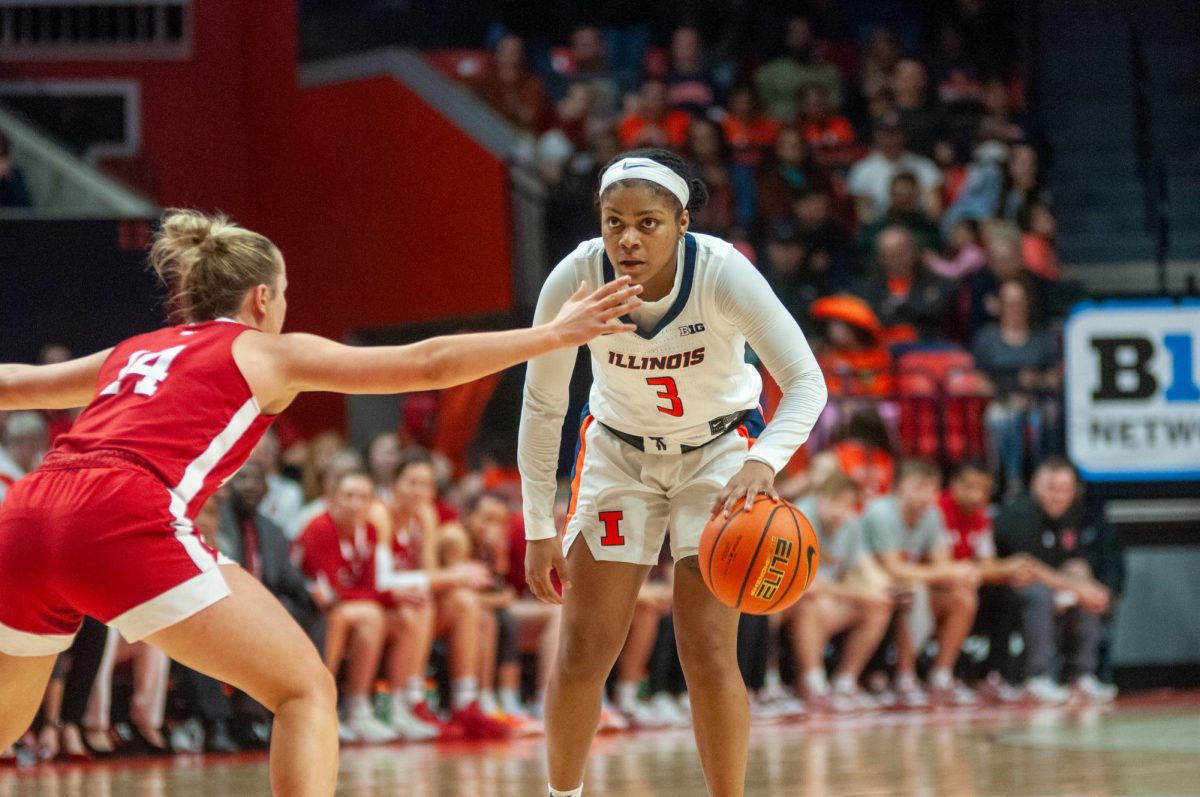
[
  {"x": 681, "y": 379},
  {"x": 174, "y": 402}
]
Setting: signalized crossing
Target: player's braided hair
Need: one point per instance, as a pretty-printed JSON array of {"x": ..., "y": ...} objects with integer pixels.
[
  {"x": 698, "y": 191},
  {"x": 208, "y": 263}
]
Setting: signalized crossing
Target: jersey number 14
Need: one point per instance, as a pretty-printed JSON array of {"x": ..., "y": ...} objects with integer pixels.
[{"x": 151, "y": 366}]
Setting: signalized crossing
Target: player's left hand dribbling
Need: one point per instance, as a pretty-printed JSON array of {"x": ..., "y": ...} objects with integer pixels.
[{"x": 754, "y": 479}]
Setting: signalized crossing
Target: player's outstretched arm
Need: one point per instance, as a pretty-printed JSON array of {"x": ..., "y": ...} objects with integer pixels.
[
  {"x": 59, "y": 386},
  {"x": 309, "y": 363}
]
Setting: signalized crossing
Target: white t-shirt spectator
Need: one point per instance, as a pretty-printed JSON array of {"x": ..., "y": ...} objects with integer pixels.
[
  {"x": 886, "y": 532},
  {"x": 841, "y": 550},
  {"x": 871, "y": 178}
]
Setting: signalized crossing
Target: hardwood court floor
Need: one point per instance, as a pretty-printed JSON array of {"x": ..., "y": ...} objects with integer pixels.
[{"x": 1142, "y": 747}]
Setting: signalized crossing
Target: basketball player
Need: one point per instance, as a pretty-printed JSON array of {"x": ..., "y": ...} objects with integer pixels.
[
  {"x": 671, "y": 426},
  {"x": 104, "y": 527}
]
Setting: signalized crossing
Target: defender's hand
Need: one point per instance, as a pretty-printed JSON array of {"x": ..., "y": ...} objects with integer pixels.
[{"x": 586, "y": 316}]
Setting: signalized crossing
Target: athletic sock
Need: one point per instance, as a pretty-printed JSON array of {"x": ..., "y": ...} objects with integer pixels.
[
  {"x": 941, "y": 678},
  {"x": 576, "y": 792},
  {"x": 844, "y": 683},
  {"x": 907, "y": 682},
  {"x": 626, "y": 694},
  {"x": 510, "y": 701},
  {"x": 815, "y": 683},
  {"x": 415, "y": 690},
  {"x": 358, "y": 705},
  {"x": 465, "y": 691}
]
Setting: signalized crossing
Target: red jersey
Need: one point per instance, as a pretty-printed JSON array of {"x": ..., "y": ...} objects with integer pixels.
[
  {"x": 175, "y": 403},
  {"x": 346, "y": 567},
  {"x": 970, "y": 532},
  {"x": 406, "y": 547}
]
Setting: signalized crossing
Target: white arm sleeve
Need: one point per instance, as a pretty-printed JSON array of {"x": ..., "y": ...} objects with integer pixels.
[
  {"x": 746, "y": 300},
  {"x": 386, "y": 577},
  {"x": 547, "y": 385}
]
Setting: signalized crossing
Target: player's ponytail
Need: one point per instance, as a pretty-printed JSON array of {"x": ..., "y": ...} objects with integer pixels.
[
  {"x": 207, "y": 264},
  {"x": 697, "y": 190}
]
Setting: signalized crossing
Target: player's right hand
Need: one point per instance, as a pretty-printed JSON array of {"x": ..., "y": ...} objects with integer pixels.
[
  {"x": 585, "y": 316},
  {"x": 542, "y": 556}
]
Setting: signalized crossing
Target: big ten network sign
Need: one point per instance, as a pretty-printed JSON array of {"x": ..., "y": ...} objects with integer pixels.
[{"x": 1132, "y": 398}]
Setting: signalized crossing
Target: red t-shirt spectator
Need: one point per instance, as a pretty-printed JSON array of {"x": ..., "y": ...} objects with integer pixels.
[
  {"x": 970, "y": 532},
  {"x": 346, "y": 567}
]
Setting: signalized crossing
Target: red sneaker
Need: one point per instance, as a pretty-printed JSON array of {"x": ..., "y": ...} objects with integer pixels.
[
  {"x": 447, "y": 731},
  {"x": 477, "y": 725}
]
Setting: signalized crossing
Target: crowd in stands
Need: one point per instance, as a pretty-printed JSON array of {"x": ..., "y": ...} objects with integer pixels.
[
  {"x": 892, "y": 194},
  {"x": 891, "y": 168}
]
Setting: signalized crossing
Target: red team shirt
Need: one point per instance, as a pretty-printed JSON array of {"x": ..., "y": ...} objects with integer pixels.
[
  {"x": 175, "y": 401},
  {"x": 346, "y": 567},
  {"x": 104, "y": 526},
  {"x": 970, "y": 532}
]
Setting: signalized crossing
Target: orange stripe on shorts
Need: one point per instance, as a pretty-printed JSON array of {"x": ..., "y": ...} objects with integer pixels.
[{"x": 583, "y": 428}]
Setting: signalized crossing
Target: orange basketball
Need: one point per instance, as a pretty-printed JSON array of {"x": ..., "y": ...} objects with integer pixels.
[{"x": 761, "y": 561}]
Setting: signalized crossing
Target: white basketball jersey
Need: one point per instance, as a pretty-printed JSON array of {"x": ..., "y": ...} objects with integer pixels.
[{"x": 684, "y": 380}]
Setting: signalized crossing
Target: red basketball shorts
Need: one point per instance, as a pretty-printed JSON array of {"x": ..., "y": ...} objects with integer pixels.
[{"x": 100, "y": 541}]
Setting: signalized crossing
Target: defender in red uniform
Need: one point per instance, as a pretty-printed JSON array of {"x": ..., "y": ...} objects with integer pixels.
[{"x": 105, "y": 528}]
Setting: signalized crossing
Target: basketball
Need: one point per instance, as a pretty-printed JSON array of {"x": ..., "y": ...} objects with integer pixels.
[{"x": 759, "y": 561}]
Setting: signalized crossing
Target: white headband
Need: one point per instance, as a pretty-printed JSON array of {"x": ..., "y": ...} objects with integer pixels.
[{"x": 646, "y": 169}]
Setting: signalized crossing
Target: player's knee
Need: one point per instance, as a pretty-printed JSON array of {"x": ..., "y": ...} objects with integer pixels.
[
  {"x": 707, "y": 654},
  {"x": 309, "y": 681},
  {"x": 370, "y": 619},
  {"x": 584, "y": 656},
  {"x": 465, "y": 604}
]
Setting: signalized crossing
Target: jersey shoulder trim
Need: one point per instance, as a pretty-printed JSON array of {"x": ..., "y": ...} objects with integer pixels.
[{"x": 685, "y": 289}]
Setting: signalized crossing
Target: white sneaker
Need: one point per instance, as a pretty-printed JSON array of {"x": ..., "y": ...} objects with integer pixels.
[
  {"x": 955, "y": 694},
  {"x": 764, "y": 711},
  {"x": 995, "y": 690},
  {"x": 668, "y": 709},
  {"x": 363, "y": 724},
  {"x": 410, "y": 727},
  {"x": 1091, "y": 689},
  {"x": 784, "y": 700},
  {"x": 611, "y": 720},
  {"x": 685, "y": 705},
  {"x": 910, "y": 696},
  {"x": 847, "y": 701},
  {"x": 643, "y": 715},
  {"x": 881, "y": 691},
  {"x": 345, "y": 735},
  {"x": 1044, "y": 690}
]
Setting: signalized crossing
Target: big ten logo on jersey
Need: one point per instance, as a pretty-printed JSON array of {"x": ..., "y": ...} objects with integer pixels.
[
  {"x": 691, "y": 329},
  {"x": 666, "y": 362},
  {"x": 151, "y": 366},
  {"x": 773, "y": 572}
]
